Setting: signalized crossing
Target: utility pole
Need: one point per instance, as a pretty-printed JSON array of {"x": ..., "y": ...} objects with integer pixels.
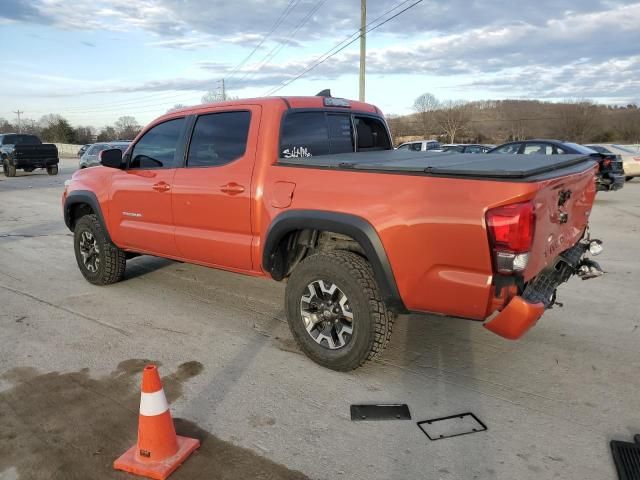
[
  {"x": 18, "y": 113},
  {"x": 363, "y": 45},
  {"x": 224, "y": 92}
]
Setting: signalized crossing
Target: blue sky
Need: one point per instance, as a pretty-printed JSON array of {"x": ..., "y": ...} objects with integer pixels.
[{"x": 95, "y": 61}]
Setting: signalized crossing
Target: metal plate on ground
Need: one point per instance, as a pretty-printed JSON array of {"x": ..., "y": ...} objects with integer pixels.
[
  {"x": 396, "y": 411},
  {"x": 451, "y": 426},
  {"x": 626, "y": 456}
]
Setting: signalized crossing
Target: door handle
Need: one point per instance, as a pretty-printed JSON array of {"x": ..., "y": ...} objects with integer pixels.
[
  {"x": 161, "y": 187},
  {"x": 232, "y": 188}
]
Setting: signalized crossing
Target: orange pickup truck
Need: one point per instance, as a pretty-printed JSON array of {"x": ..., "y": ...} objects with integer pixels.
[{"x": 310, "y": 190}]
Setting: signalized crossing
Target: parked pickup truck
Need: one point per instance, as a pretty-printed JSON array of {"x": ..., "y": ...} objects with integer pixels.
[
  {"x": 309, "y": 190},
  {"x": 27, "y": 152}
]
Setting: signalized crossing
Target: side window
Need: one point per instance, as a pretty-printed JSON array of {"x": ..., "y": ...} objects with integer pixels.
[
  {"x": 415, "y": 147},
  {"x": 340, "y": 133},
  {"x": 473, "y": 149},
  {"x": 538, "y": 149},
  {"x": 218, "y": 138},
  {"x": 510, "y": 148},
  {"x": 372, "y": 135},
  {"x": 404, "y": 146},
  {"x": 304, "y": 134},
  {"x": 157, "y": 147},
  {"x": 433, "y": 146},
  {"x": 93, "y": 150}
]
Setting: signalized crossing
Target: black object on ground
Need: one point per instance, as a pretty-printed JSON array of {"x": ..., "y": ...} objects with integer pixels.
[
  {"x": 451, "y": 426},
  {"x": 626, "y": 456},
  {"x": 398, "y": 411}
]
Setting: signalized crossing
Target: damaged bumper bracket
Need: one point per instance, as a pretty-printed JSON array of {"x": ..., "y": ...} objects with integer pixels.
[{"x": 522, "y": 312}]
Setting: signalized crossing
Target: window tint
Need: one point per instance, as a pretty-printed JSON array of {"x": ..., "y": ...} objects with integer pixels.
[
  {"x": 157, "y": 148},
  {"x": 474, "y": 149},
  {"x": 579, "y": 148},
  {"x": 20, "y": 140},
  {"x": 433, "y": 146},
  {"x": 538, "y": 149},
  {"x": 598, "y": 148},
  {"x": 371, "y": 134},
  {"x": 304, "y": 134},
  {"x": 415, "y": 147},
  {"x": 404, "y": 146},
  {"x": 218, "y": 138},
  {"x": 340, "y": 133},
  {"x": 95, "y": 149},
  {"x": 509, "y": 148}
]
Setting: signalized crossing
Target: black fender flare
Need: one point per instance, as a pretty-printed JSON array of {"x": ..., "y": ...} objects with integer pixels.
[
  {"x": 83, "y": 196},
  {"x": 355, "y": 227}
]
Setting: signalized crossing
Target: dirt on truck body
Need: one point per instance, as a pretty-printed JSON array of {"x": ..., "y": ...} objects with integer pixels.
[{"x": 309, "y": 189}]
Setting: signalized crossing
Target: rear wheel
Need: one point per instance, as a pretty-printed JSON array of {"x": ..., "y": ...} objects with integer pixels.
[
  {"x": 335, "y": 312},
  {"x": 99, "y": 260},
  {"x": 8, "y": 169},
  {"x": 52, "y": 170}
]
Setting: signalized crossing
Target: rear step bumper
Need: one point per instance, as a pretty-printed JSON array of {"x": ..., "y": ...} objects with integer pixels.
[{"x": 523, "y": 311}]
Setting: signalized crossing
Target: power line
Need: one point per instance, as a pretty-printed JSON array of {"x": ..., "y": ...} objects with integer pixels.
[
  {"x": 283, "y": 43},
  {"x": 327, "y": 56},
  {"x": 289, "y": 8}
]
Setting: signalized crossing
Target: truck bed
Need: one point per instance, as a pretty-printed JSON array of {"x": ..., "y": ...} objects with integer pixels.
[{"x": 529, "y": 168}]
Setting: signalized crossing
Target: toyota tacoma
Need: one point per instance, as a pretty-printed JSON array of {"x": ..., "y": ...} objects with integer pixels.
[{"x": 309, "y": 190}]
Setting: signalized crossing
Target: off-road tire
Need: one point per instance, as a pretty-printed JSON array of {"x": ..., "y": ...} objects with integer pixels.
[
  {"x": 112, "y": 260},
  {"x": 8, "y": 169},
  {"x": 52, "y": 170},
  {"x": 372, "y": 321}
]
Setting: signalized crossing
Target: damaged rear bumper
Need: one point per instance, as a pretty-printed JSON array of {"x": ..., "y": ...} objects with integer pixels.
[{"x": 523, "y": 311}]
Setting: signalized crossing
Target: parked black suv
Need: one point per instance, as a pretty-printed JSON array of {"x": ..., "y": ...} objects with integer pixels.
[{"x": 27, "y": 152}]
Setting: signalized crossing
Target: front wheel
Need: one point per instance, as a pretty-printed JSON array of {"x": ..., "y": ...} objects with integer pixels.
[
  {"x": 8, "y": 169},
  {"x": 52, "y": 170},
  {"x": 335, "y": 312},
  {"x": 100, "y": 261}
]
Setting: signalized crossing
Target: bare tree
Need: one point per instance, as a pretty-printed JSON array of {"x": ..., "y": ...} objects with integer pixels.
[
  {"x": 424, "y": 106},
  {"x": 453, "y": 117},
  {"x": 177, "y": 106},
  {"x": 127, "y": 127},
  {"x": 578, "y": 120},
  {"x": 214, "y": 96}
]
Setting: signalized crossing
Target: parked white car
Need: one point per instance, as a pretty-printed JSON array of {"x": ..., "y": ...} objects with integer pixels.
[
  {"x": 421, "y": 146},
  {"x": 630, "y": 157}
]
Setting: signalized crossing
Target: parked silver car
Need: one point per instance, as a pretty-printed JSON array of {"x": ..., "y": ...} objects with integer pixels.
[{"x": 90, "y": 157}]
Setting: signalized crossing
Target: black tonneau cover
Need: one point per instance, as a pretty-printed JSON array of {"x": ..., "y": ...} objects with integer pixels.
[{"x": 478, "y": 165}]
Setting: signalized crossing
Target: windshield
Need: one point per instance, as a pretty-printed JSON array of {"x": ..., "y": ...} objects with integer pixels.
[{"x": 21, "y": 140}]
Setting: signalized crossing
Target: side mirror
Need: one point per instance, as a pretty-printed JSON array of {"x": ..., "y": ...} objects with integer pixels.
[{"x": 111, "y": 158}]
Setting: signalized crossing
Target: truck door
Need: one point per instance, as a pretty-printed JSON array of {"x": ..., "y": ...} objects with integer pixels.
[
  {"x": 140, "y": 209},
  {"x": 212, "y": 193}
]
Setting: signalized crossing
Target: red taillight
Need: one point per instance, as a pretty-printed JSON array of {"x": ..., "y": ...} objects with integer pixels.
[
  {"x": 607, "y": 162},
  {"x": 511, "y": 227}
]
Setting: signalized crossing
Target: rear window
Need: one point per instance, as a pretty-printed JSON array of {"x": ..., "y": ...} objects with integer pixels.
[
  {"x": 20, "y": 140},
  {"x": 309, "y": 134},
  {"x": 580, "y": 148}
]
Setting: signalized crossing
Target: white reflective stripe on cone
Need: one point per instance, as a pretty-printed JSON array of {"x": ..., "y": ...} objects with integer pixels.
[{"x": 153, "y": 403}]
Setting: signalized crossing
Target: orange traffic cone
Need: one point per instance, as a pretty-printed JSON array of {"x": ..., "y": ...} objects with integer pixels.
[{"x": 159, "y": 450}]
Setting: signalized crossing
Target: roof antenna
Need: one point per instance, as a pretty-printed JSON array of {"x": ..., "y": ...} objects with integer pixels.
[{"x": 324, "y": 93}]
